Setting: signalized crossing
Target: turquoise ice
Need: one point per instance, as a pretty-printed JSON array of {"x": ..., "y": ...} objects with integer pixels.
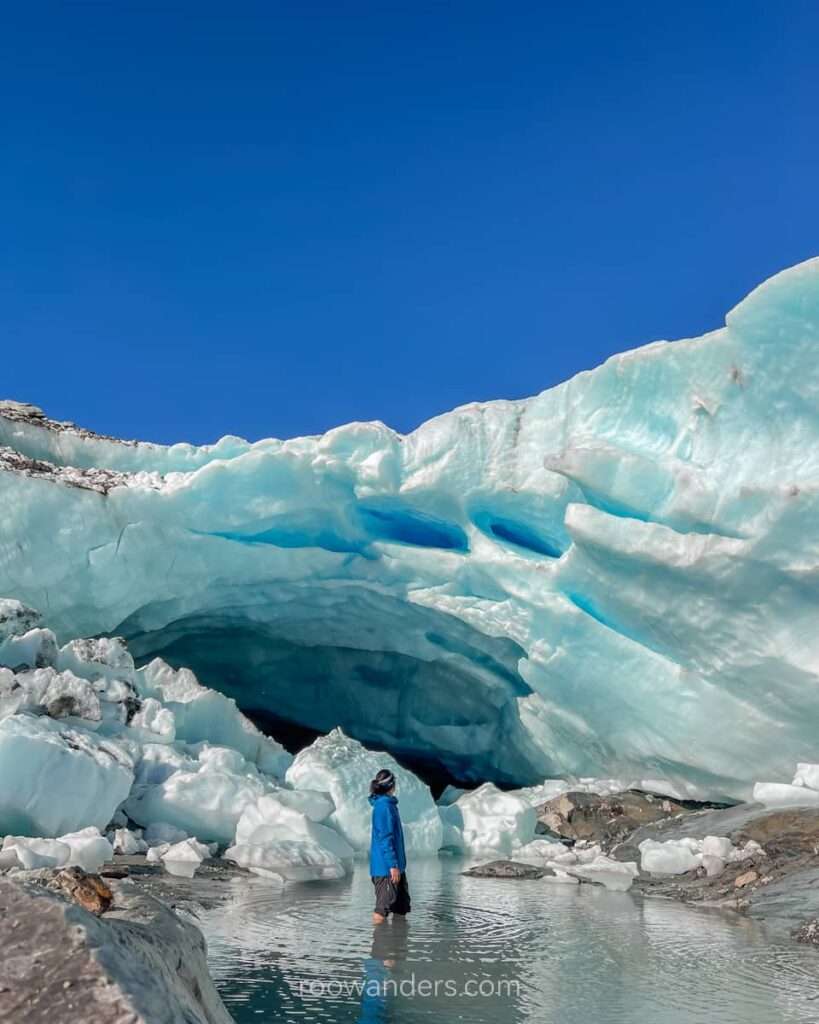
[{"x": 616, "y": 577}]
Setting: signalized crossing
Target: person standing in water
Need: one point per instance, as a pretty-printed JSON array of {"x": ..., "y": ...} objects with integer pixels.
[{"x": 388, "y": 861}]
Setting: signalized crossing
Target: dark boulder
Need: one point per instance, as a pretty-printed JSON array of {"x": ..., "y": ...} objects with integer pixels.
[
  {"x": 507, "y": 869},
  {"x": 606, "y": 820}
]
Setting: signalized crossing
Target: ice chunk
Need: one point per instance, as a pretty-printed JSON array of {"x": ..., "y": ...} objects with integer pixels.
[
  {"x": 202, "y": 714},
  {"x": 488, "y": 820},
  {"x": 204, "y": 794},
  {"x": 750, "y": 849},
  {"x": 184, "y": 858},
  {"x": 16, "y": 619},
  {"x": 342, "y": 767},
  {"x": 56, "y": 778},
  {"x": 160, "y": 832},
  {"x": 154, "y": 722},
  {"x": 99, "y": 660},
  {"x": 449, "y": 796},
  {"x": 538, "y": 795},
  {"x": 89, "y": 849},
  {"x": 127, "y": 842},
  {"x": 717, "y": 846},
  {"x": 778, "y": 794},
  {"x": 807, "y": 775},
  {"x": 35, "y": 649},
  {"x": 541, "y": 851},
  {"x": 271, "y": 820},
  {"x": 67, "y": 696},
  {"x": 561, "y": 878},
  {"x": 9, "y": 859},
  {"x": 714, "y": 866},
  {"x": 314, "y": 805},
  {"x": 294, "y": 860},
  {"x": 673, "y": 857},
  {"x": 613, "y": 874},
  {"x": 58, "y": 694},
  {"x": 37, "y": 853}
]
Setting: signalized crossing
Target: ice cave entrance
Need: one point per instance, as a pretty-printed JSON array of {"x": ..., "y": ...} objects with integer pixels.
[{"x": 437, "y": 694}]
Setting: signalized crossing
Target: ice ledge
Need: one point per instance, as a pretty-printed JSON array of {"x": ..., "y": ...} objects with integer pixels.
[{"x": 611, "y": 577}]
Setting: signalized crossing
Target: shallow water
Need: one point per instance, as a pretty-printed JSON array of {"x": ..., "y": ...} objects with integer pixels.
[{"x": 483, "y": 950}]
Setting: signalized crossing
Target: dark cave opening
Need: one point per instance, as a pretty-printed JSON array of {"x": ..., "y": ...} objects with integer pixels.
[{"x": 445, "y": 707}]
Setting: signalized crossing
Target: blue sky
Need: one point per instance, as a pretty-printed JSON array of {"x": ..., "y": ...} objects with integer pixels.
[{"x": 268, "y": 219}]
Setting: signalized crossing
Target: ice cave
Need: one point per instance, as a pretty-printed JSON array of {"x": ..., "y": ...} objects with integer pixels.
[{"x": 615, "y": 577}]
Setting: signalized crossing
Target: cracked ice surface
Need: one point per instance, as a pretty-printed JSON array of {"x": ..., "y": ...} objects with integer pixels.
[{"x": 612, "y": 578}]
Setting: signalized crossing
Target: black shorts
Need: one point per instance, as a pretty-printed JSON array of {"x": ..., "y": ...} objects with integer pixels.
[{"x": 389, "y": 897}]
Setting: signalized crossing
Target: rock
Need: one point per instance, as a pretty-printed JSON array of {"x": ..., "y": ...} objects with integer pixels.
[
  {"x": 88, "y": 891},
  {"x": 507, "y": 869},
  {"x": 746, "y": 878},
  {"x": 138, "y": 964},
  {"x": 118, "y": 871},
  {"x": 606, "y": 820},
  {"x": 787, "y": 833},
  {"x": 807, "y": 932}
]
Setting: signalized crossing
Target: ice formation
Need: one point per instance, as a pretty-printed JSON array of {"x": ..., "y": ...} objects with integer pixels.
[
  {"x": 85, "y": 848},
  {"x": 487, "y": 820},
  {"x": 802, "y": 792},
  {"x": 676, "y": 856},
  {"x": 611, "y": 578},
  {"x": 87, "y": 740},
  {"x": 584, "y": 860},
  {"x": 342, "y": 767}
]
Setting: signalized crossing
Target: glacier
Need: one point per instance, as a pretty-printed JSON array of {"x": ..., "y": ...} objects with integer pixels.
[{"x": 616, "y": 577}]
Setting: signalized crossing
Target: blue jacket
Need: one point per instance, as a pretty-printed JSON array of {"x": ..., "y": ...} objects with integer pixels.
[{"x": 387, "y": 842}]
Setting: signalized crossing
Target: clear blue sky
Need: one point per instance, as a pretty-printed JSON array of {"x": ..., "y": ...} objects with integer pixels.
[{"x": 268, "y": 219}]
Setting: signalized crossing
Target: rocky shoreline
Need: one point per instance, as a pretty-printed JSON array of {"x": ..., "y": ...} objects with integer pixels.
[
  {"x": 81, "y": 948},
  {"x": 777, "y": 884}
]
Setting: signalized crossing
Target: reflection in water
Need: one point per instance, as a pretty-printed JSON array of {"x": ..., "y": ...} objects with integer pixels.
[
  {"x": 484, "y": 950},
  {"x": 383, "y": 970}
]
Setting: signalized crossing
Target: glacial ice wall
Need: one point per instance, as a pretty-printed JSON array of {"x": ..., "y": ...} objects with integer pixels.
[{"x": 618, "y": 576}]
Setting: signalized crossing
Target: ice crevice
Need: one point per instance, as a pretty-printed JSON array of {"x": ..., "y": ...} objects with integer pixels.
[{"x": 610, "y": 578}]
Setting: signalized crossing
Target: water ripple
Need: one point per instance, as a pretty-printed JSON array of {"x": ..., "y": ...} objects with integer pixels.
[{"x": 531, "y": 952}]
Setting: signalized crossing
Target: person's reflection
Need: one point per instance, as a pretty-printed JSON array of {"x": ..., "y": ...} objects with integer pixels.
[{"x": 382, "y": 970}]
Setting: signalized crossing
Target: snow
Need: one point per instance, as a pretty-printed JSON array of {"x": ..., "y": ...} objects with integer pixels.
[{"x": 343, "y": 768}]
